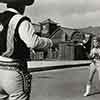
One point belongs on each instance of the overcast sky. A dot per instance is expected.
(68, 13)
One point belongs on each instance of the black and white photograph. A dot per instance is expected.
(49, 49)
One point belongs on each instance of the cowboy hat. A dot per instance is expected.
(25, 2)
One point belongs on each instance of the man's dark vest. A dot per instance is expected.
(20, 51)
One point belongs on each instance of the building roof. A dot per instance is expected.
(48, 21)
(67, 31)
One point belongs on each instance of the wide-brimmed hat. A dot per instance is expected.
(25, 2)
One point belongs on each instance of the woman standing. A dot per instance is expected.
(95, 64)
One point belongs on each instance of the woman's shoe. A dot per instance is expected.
(88, 88)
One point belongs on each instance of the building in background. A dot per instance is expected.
(72, 44)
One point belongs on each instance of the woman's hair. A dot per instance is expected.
(97, 38)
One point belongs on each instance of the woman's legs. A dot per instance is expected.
(91, 76)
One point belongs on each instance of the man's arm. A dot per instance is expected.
(27, 34)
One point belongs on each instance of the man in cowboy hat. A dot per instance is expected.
(17, 36)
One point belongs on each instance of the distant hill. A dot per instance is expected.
(94, 30)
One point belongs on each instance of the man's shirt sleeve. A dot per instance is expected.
(27, 34)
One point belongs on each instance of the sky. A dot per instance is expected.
(67, 13)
